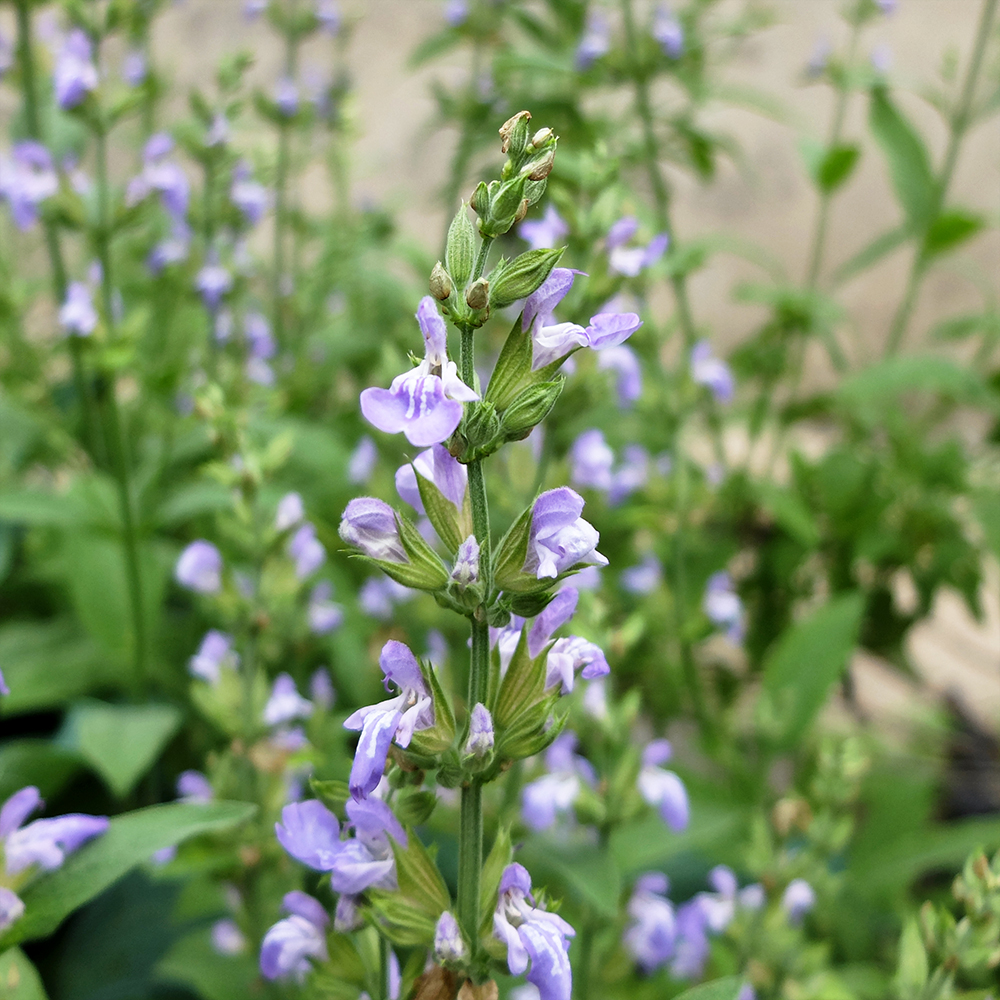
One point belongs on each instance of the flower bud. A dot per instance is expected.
(522, 210)
(369, 524)
(481, 735)
(448, 943)
(519, 278)
(480, 202)
(477, 296)
(460, 247)
(541, 137)
(481, 431)
(541, 168)
(514, 134)
(440, 284)
(466, 571)
(529, 409)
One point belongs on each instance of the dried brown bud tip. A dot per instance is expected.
(543, 167)
(522, 209)
(440, 282)
(508, 127)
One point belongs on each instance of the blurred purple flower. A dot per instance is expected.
(26, 180)
(172, 250)
(623, 362)
(667, 30)
(286, 96)
(285, 702)
(134, 69)
(691, 942)
(798, 899)
(324, 615)
(306, 550)
(77, 314)
(193, 786)
(289, 512)
(289, 945)
(662, 789)
(328, 15)
(545, 232)
(723, 606)
(592, 461)
(596, 40)
(160, 173)
(75, 74)
(711, 372)
(11, 907)
(644, 578)
(650, 937)
(629, 261)
(553, 794)
(214, 653)
(379, 594)
(361, 464)
(456, 12)
(249, 196)
(572, 656)
(631, 475)
(227, 938)
(199, 568)
(213, 281)
(321, 688)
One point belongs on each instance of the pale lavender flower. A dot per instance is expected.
(644, 578)
(798, 899)
(437, 466)
(449, 945)
(481, 735)
(213, 281)
(77, 314)
(361, 464)
(888, 7)
(747, 992)
(290, 944)
(26, 180)
(629, 261)
(324, 615)
(368, 859)
(395, 719)
(45, 842)
(557, 612)
(623, 362)
(289, 513)
(227, 938)
(621, 232)
(214, 653)
(650, 937)
(533, 934)
(881, 59)
(547, 798)
(257, 332)
(596, 40)
(249, 196)
(199, 568)
(595, 699)
(662, 789)
(667, 30)
(328, 15)
(369, 524)
(218, 132)
(285, 702)
(222, 328)
(3, 685)
(6, 55)
(321, 688)
(252, 9)
(591, 461)
(540, 234)
(424, 403)
(466, 569)
(723, 606)
(162, 174)
(259, 371)
(711, 372)
(193, 786)
(456, 12)
(571, 656)
(11, 907)
(286, 96)
(631, 475)
(134, 69)
(306, 550)
(820, 57)
(560, 538)
(172, 250)
(75, 72)
(347, 916)
(719, 907)
(691, 942)
(379, 594)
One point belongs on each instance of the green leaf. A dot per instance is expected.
(909, 164)
(804, 665)
(789, 510)
(193, 961)
(39, 507)
(42, 763)
(879, 247)
(452, 525)
(829, 168)
(960, 327)
(720, 989)
(120, 742)
(589, 872)
(949, 230)
(130, 840)
(911, 974)
(19, 979)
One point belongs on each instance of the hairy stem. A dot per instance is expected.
(116, 431)
(958, 126)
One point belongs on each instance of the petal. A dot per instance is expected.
(373, 748)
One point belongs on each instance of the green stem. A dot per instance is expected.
(584, 961)
(116, 430)
(958, 126)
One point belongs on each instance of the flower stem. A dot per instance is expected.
(116, 432)
(958, 126)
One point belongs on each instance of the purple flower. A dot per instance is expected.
(532, 933)
(710, 371)
(650, 937)
(548, 797)
(249, 196)
(723, 606)
(172, 250)
(629, 261)
(644, 578)
(631, 475)
(45, 842)
(328, 15)
(466, 570)
(424, 403)
(11, 907)
(3, 685)
(200, 568)
(321, 688)
(545, 232)
(324, 615)
(552, 340)
(291, 943)
(691, 943)
(214, 653)
(455, 12)
(560, 538)
(290, 512)
(438, 467)
(449, 945)
(481, 735)
(595, 42)
(668, 32)
(888, 7)
(347, 916)
(286, 96)
(193, 786)
(571, 656)
(379, 594)
(26, 180)
(395, 719)
(591, 460)
(662, 789)
(797, 900)
(213, 281)
(257, 332)
(369, 524)
(595, 699)
(306, 550)
(252, 9)
(361, 464)
(559, 610)
(218, 132)
(75, 72)
(77, 314)
(161, 174)
(719, 907)
(134, 68)
(6, 55)
(285, 702)
(310, 833)
(227, 938)
(623, 362)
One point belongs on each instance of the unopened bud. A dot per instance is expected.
(448, 943)
(522, 210)
(478, 294)
(541, 137)
(460, 248)
(543, 167)
(518, 278)
(466, 570)
(440, 283)
(529, 409)
(480, 199)
(481, 735)
(514, 133)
